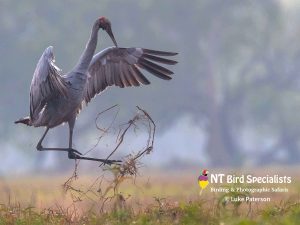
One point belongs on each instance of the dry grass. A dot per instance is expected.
(42, 192)
(160, 198)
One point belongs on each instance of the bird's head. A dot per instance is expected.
(105, 24)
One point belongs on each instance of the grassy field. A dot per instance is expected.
(158, 198)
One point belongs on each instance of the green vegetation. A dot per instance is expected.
(197, 213)
(162, 200)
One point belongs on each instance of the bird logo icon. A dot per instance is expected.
(203, 180)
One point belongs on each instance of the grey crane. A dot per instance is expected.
(56, 98)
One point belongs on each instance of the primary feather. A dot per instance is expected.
(121, 67)
(47, 83)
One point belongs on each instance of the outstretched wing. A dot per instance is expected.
(46, 83)
(120, 67)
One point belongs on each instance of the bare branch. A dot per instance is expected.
(108, 191)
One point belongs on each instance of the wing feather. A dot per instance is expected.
(123, 74)
(46, 83)
(120, 67)
(139, 76)
(132, 76)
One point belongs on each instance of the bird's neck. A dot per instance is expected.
(87, 55)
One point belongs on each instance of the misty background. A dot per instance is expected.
(234, 99)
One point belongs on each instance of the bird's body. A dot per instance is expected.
(59, 109)
(56, 98)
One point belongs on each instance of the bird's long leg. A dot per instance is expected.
(71, 123)
(39, 146)
(60, 149)
(72, 154)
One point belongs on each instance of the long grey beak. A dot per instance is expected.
(110, 33)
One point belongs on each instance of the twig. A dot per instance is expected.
(127, 170)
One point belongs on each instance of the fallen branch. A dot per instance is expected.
(126, 171)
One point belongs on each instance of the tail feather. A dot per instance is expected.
(25, 120)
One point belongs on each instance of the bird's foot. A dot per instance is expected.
(73, 154)
(74, 151)
(39, 147)
(111, 161)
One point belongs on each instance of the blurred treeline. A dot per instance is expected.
(237, 77)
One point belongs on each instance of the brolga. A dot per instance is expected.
(56, 98)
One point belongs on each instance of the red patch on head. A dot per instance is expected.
(102, 18)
